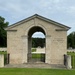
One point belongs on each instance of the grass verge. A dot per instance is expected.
(33, 49)
(35, 71)
(3, 52)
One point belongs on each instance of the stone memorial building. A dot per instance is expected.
(19, 39)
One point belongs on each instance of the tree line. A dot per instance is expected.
(71, 40)
(3, 33)
(36, 42)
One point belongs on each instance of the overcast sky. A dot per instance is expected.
(62, 11)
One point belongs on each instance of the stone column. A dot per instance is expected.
(29, 49)
(68, 62)
(48, 49)
(1, 60)
(25, 48)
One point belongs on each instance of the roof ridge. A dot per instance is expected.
(38, 16)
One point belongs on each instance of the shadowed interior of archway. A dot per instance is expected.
(35, 56)
(35, 29)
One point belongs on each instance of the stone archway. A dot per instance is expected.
(19, 42)
(30, 33)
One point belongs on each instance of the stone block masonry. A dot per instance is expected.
(1, 60)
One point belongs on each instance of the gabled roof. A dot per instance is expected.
(40, 17)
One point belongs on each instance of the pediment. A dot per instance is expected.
(62, 27)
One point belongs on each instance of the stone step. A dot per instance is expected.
(35, 65)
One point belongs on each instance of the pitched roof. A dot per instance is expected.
(40, 17)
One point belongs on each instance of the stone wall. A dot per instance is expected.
(3, 49)
(1, 60)
(19, 43)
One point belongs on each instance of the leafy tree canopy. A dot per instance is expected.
(71, 40)
(38, 42)
(3, 34)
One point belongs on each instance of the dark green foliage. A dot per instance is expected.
(38, 42)
(71, 40)
(3, 34)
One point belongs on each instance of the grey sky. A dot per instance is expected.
(62, 11)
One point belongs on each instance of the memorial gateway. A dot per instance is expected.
(19, 40)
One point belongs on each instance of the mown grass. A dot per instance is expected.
(71, 53)
(33, 49)
(35, 71)
(36, 55)
(3, 52)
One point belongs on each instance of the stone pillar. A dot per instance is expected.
(25, 48)
(48, 53)
(29, 49)
(68, 62)
(1, 60)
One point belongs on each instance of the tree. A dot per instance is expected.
(38, 42)
(3, 33)
(71, 40)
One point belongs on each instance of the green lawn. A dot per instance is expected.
(71, 53)
(38, 55)
(35, 71)
(33, 49)
(3, 52)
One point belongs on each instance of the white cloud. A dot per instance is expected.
(38, 35)
(10, 6)
(71, 10)
(59, 10)
(21, 7)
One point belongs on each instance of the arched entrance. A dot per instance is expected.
(19, 39)
(30, 55)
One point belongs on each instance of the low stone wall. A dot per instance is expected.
(72, 50)
(3, 49)
(67, 61)
(39, 50)
(1, 60)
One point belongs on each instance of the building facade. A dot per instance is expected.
(19, 39)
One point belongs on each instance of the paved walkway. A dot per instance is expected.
(35, 65)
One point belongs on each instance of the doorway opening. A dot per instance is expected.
(36, 45)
